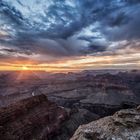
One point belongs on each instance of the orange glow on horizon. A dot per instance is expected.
(77, 64)
(25, 68)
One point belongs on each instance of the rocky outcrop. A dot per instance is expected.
(32, 118)
(123, 125)
(38, 118)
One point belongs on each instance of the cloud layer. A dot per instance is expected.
(52, 30)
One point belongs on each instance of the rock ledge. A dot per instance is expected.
(123, 125)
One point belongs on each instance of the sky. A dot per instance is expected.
(69, 35)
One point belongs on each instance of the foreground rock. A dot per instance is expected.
(33, 118)
(37, 118)
(123, 125)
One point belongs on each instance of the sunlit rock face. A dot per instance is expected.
(124, 124)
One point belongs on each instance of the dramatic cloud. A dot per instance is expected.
(49, 30)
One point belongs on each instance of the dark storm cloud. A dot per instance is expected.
(62, 27)
(124, 25)
(15, 51)
(97, 48)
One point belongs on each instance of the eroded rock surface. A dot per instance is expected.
(87, 89)
(123, 125)
(32, 118)
(37, 118)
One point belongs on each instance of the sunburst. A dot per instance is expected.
(25, 68)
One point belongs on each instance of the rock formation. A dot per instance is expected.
(32, 118)
(123, 125)
(101, 94)
(84, 96)
(76, 118)
(38, 118)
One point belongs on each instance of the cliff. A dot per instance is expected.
(123, 125)
(32, 118)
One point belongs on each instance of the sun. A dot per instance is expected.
(24, 68)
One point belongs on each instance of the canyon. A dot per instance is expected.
(48, 106)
